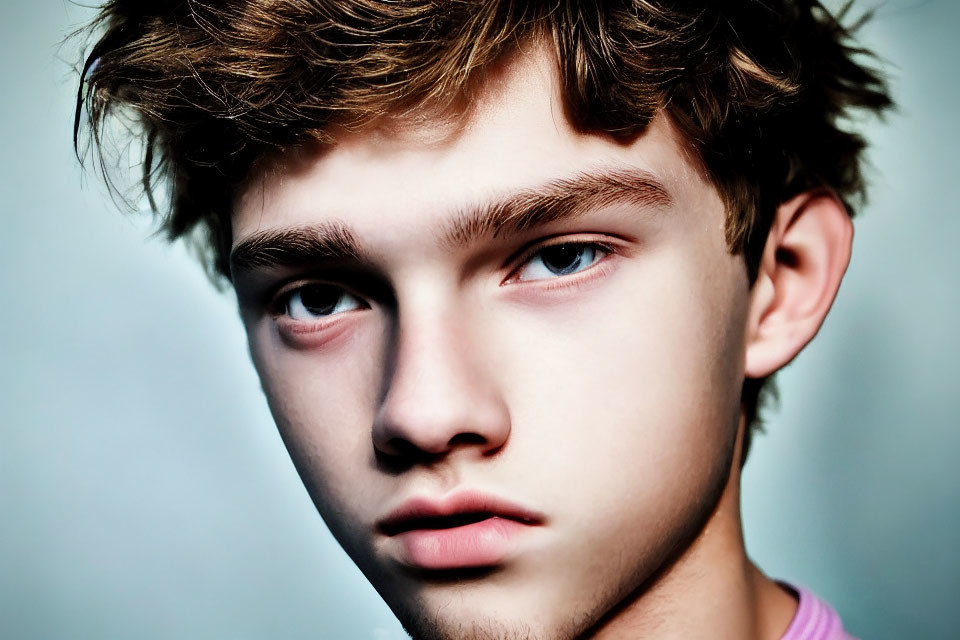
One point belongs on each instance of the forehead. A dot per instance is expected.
(411, 170)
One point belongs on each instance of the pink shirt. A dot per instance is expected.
(814, 620)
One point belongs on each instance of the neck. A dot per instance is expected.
(712, 590)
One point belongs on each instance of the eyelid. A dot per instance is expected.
(316, 332)
(276, 300)
(604, 244)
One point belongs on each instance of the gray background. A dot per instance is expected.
(144, 492)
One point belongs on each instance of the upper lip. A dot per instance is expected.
(456, 509)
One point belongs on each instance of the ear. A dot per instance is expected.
(803, 262)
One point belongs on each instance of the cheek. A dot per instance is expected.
(638, 383)
(323, 402)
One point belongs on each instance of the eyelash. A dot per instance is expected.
(605, 249)
(279, 304)
(279, 307)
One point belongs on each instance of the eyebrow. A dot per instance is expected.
(560, 199)
(294, 247)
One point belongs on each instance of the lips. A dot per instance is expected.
(464, 530)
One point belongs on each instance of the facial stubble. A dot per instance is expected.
(580, 622)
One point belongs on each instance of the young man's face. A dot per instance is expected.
(499, 316)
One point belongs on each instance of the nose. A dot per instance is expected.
(439, 396)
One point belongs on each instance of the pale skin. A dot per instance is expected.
(605, 397)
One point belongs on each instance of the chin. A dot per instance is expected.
(486, 609)
(442, 624)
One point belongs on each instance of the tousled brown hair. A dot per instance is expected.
(758, 88)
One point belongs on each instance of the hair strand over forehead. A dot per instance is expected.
(758, 89)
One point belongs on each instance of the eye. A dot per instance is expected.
(558, 260)
(309, 302)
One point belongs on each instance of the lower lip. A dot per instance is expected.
(480, 544)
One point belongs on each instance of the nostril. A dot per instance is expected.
(397, 455)
(467, 439)
(401, 452)
(401, 447)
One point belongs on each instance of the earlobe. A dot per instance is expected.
(803, 262)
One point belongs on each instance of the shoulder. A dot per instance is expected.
(814, 620)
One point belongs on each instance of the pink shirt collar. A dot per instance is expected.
(814, 620)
